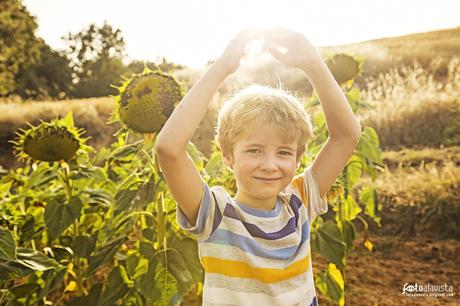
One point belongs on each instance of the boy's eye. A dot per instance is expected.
(254, 151)
(285, 153)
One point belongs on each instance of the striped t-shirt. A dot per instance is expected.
(257, 257)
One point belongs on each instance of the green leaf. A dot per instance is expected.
(369, 146)
(349, 209)
(7, 245)
(331, 284)
(35, 260)
(61, 254)
(116, 288)
(368, 196)
(146, 250)
(135, 196)
(125, 151)
(195, 155)
(99, 197)
(148, 233)
(83, 246)
(91, 172)
(104, 254)
(28, 261)
(167, 284)
(29, 230)
(59, 216)
(348, 233)
(188, 248)
(24, 290)
(175, 264)
(147, 283)
(42, 176)
(124, 199)
(13, 270)
(54, 279)
(215, 165)
(353, 170)
(90, 299)
(90, 220)
(327, 240)
(145, 193)
(5, 187)
(68, 120)
(136, 266)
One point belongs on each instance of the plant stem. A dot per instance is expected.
(161, 226)
(76, 262)
(76, 259)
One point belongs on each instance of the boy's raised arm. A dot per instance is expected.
(181, 175)
(343, 127)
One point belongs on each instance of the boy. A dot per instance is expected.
(255, 247)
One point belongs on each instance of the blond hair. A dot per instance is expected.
(274, 108)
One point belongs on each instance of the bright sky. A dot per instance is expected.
(191, 32)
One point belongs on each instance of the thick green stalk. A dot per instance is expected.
(161, 224)
(76, 259)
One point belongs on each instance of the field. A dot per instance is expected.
(412, 87)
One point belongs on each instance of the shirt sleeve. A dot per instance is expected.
(209, 216)
(316, 205)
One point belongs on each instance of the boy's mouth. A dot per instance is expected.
(267, 179)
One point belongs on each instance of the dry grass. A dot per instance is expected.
(414, 83)
(30, 110)
(422, 200)
(384, 54)
(414, 108)
(417, 158)
(418, 185)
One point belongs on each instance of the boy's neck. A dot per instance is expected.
(262, 204)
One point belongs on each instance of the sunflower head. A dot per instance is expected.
(49, 141)
(344, 68)
(146, 101)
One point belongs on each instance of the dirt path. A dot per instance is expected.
(378, 277)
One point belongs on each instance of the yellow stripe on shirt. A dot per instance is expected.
(297, 182)
(235, 268)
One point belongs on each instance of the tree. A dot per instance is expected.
(95, 56)
(49, 77)
(19, 45)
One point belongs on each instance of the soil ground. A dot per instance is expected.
(377, 277)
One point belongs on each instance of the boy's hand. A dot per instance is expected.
(299, 51)
(230, 58)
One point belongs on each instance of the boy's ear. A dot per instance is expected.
(228, 160)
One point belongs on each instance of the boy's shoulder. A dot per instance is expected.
(221, 194)
(296, 187)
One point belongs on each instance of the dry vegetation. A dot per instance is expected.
(385, 54)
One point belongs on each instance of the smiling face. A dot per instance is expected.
(263, 164)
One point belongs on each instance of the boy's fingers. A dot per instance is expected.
(277, 54)
(274, 37)
(249, 34)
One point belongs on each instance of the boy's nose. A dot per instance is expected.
(269, 164)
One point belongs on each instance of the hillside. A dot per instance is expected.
(431, 49)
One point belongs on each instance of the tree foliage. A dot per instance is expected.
(49, 77)
(92, 61)
(19, 45)
(95, 56)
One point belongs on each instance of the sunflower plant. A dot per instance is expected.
(96, 228)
